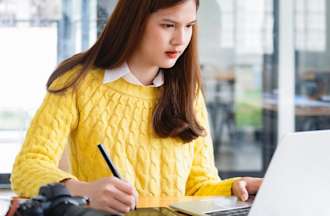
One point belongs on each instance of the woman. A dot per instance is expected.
(137, 90)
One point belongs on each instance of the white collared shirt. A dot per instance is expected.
(124, 72)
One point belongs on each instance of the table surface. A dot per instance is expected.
(6, 193)
(143, 202)
(303, 105)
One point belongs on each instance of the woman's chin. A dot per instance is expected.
(168, 65)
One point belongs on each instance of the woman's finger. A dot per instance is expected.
(118, 206)
(122, 185)
(243, 193)
(121, 196)
(253, 184)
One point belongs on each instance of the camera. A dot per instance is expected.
(55, 200)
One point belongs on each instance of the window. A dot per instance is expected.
(35, 36)
(245, 28)
(310, 25)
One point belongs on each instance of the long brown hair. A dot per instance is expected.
(174, 114)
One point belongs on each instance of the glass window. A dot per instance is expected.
(312, 69)
(310, 21)
(34, 36)
(234, 44)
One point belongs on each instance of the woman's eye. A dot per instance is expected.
(167, 25)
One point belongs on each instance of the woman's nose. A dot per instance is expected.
(179, 37)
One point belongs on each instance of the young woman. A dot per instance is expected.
(137, 91)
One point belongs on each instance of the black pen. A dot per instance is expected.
(108, 161)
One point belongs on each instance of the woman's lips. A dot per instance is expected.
(172, 54)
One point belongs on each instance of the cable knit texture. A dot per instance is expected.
(118, 114)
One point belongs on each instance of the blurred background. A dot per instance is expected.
(239, 55)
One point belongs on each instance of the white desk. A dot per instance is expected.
(6, 193)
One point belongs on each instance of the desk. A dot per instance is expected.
(309, 115)
(303, 105)
(6, 193)
(145, 202)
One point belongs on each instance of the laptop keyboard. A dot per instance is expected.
(232, 212)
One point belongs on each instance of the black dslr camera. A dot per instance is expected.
(55, 200)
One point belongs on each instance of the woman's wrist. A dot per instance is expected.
(75, 187)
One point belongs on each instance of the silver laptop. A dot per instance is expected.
(297, 182)
(213, 206)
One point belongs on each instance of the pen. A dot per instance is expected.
(108, 161)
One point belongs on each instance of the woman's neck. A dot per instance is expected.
(142, 71)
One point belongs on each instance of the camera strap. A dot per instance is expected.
(14, 204)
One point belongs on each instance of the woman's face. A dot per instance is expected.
(167, 34)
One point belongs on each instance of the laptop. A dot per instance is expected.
(211, 206)
(297, 182)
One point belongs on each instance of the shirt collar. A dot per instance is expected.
(125, 73)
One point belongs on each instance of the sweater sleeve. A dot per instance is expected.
(203, 178)
(49, 132)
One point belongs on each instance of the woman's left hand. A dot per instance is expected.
(245, 186)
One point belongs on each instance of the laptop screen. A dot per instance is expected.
(297, 180)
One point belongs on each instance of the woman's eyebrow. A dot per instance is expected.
(172, 21)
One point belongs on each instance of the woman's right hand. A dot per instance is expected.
(110, 194)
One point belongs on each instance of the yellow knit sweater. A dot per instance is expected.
(118, 114)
